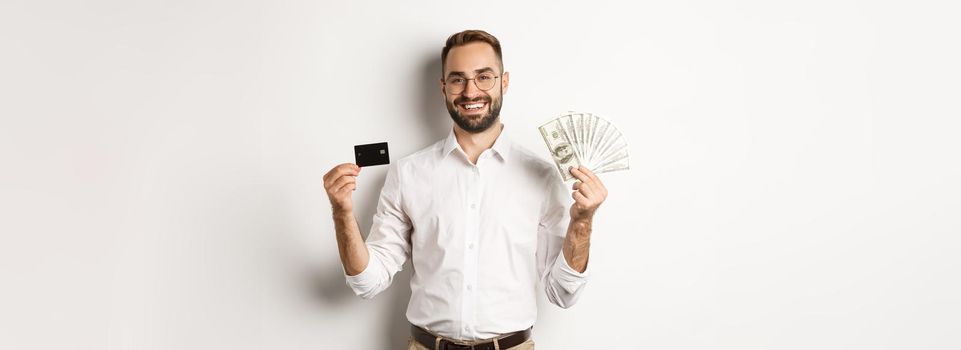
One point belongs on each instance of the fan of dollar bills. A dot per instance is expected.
(585, 139)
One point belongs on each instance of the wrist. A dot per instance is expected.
(583, 219)
(579, 213)
(581, 228)
(342, 213)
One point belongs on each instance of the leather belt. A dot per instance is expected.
(430, 340)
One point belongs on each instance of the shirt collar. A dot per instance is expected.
(501, 147)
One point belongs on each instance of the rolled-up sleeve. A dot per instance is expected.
(562, 283)
(388, 242)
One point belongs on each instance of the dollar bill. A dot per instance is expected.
(616, 161)
(585, 140)
(559, 144)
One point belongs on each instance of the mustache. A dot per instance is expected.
(462, 99)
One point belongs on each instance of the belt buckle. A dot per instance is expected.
(455, 346)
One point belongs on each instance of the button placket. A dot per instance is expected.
(468, 298)
(471, 254)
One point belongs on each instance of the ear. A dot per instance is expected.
(505, 81)
(440, 84)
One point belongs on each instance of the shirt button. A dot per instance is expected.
(470, 246)
(469, 287)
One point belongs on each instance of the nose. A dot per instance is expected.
(471, 90)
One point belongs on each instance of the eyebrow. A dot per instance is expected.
(478, 71)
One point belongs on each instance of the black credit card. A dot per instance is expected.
(371, 154)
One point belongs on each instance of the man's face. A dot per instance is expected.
(469, 61)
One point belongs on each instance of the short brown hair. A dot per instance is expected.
(469, 36)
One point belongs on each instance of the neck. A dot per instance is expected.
(474, 144)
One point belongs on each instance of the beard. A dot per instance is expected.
(475, 125)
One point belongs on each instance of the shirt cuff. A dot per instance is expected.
(567, 277)
(363, 281)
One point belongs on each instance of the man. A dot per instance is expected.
(482, 219)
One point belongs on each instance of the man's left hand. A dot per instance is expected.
(589, 193)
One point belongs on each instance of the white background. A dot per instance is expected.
(794, 181)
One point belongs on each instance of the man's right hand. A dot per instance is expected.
(340, 183)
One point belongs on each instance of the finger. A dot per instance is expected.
(597, 183)
(580, 199)
(339, 167)
(340, 182)
(597, 186)
(600, 186)
(589, 173)
(339, 171)
(347, 188)
(586, 190)
(329, 176)
(349, 169)
(578, 174)
(576, 185)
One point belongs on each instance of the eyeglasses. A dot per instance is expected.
(456, 84)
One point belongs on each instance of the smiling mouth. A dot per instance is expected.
(472, 106)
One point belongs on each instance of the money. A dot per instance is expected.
(585, 139)
(558, 142)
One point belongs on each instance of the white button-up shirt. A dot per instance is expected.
(480, 238)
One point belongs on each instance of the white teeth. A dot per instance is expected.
(474, 106)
